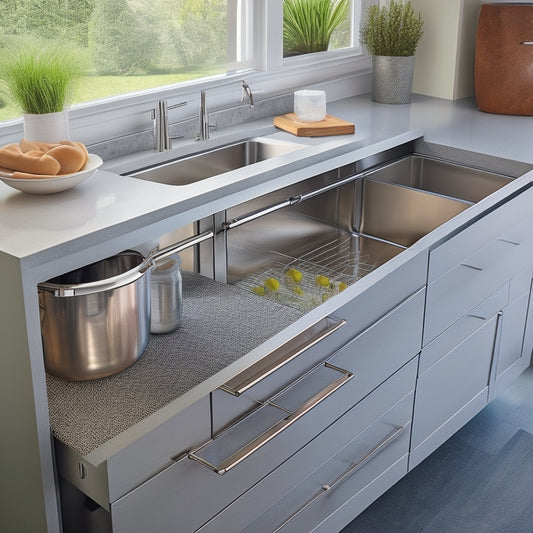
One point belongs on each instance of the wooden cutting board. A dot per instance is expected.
(329, 126)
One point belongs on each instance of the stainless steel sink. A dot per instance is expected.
(207, 164)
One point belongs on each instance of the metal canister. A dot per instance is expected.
(166, 296)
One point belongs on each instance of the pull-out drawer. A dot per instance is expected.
(373, 355)
(191, 491)
(366, 441)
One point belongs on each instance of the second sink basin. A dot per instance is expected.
(207, 164)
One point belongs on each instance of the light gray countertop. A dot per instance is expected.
(38, 229)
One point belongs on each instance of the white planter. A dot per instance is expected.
(48, 127)
(392, 79)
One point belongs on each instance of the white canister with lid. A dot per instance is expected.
(166, 297)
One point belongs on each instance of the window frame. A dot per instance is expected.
(342, 72)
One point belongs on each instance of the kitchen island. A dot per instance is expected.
(45, 236)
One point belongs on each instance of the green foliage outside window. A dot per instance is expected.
(121, 40)
(133, 44)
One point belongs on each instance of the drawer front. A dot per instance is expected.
(371, 421)
(446, 342)
(131, 465)
(344, 477)
(463, 287)
(373, 355)
(451, 383)
(485, 256)
(289, 362)
(387, 345)
(506, 222)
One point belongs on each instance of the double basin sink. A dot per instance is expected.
(403, 200)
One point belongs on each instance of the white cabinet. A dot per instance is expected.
(453, 378)
(474, 341)
(513, 350)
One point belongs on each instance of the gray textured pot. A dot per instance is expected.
(392, 79)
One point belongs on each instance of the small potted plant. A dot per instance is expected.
(391, 34)
(308, 24)
(40, 77)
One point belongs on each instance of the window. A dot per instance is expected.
(143, 50)
(136, 45)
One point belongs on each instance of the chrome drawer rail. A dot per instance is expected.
(276, 429)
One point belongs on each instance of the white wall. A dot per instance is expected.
(444, 64)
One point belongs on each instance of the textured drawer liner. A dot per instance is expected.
(221, 324)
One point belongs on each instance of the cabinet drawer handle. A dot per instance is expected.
(276, 429)
(279, 357)
(509, 242)
(356, 466)
(473, 267)
(495, 355)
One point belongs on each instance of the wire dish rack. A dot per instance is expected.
(309, 280)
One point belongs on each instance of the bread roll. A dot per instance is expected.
(70, 158)
(27, 146)
(34, 161)
(50, 159)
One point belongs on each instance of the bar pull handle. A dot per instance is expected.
(280, 357)
(276, 429)
(473, 267)
(356, 466)
(495, 355)
(508, 241)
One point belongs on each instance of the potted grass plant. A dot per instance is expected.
(391, 34)
(308, 24)
(40, 77)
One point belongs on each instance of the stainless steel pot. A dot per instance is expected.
(95, 321)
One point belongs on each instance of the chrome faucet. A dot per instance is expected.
(204, 119)
(247, 93)
(161, 129)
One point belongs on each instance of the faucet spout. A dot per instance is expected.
(204, 118)
(161, 125)
(247, 93)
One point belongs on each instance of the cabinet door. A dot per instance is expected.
(452, 391)
(527, 348)
(513, 353)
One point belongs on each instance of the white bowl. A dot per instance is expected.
(56, 184)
